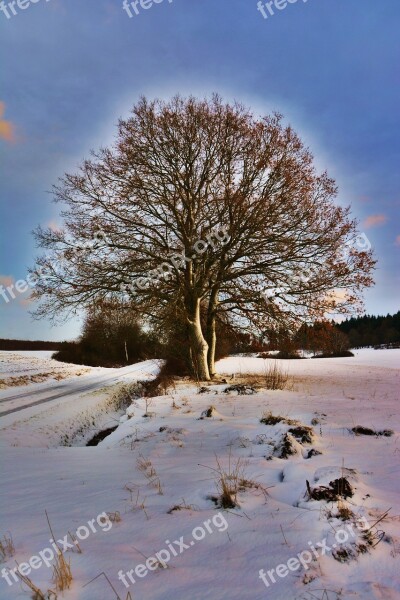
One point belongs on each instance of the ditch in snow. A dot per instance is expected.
(100, 436)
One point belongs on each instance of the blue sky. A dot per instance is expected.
(71, 68)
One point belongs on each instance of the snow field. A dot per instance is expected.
(159, 473)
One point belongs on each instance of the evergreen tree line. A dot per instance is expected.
(370, 330)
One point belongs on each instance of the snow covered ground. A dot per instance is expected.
(25, 368)
(159, 475)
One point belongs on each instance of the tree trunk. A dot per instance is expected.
(212, 343)
(126, 353)
(211, 334)
(198, 345)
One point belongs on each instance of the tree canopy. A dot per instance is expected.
(199, 211)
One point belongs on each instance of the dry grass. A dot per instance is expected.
(103, 574)
(7, 549)
(372, 536)
(250, 484)
(182, 506)
(228, 482)
(148, 404)
(269, 419)
(137, 503)
(75, 542)
(114, 517)
(241, 388)
(361, 430)
(62, 576)
(232, 480)
(19, 380)
(124, 396)
(247, 379)
(159, 563)
(275, 378)
(145, 466)
(37, 593)
(344, 512)
(160, 386)
(320, 594)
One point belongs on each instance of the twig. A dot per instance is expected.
(109, 582)
(51, 531)
(380, 519)
(284, 536)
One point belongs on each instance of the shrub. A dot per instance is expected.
(285, 355)
(343, 354)
(111, 337)
(275, 378)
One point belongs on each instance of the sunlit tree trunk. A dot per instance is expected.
(211, 334)
(198, 344)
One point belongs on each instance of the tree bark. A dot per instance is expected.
(211, 334)
(198, 344)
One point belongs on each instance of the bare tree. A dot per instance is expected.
(202, 206)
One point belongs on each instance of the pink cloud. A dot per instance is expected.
(374, 220)
(397, 241)
(6, 280)
(25, 302)
(7, 131)
(53, 226)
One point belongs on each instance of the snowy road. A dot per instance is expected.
(69, 390)
(65, 389)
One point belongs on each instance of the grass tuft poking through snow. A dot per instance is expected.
(269, 419)
(360, 430)
(7, 549)
(275, 378)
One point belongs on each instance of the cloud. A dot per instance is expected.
(7, 131)
(8, 298)
(397, 241)
(53, 225)
(374, 220)
(6, 280)
(26, 302)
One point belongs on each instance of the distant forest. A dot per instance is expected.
(31, 345)
(361, 331)
(372, 331)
